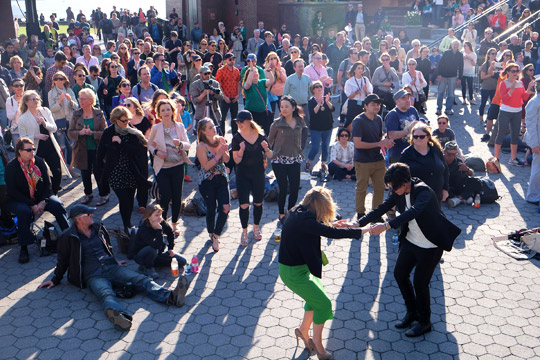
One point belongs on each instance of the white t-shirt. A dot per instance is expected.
(415, 235)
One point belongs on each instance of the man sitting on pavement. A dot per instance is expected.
(85, 251)
(461, 186)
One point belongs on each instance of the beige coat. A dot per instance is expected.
(156, 140)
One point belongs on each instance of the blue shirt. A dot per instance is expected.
(397, 120)
(2, 172)
(94, 255)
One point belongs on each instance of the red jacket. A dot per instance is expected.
(502, 22)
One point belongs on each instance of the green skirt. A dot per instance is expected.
(308, 287)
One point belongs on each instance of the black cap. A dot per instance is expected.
(372, 98)
(244, 115)
(228, 56)
(80, 209)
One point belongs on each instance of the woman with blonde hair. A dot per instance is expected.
(250, 150)
(17, 70)
(301, 260)
(275, 91)
(37, 123)
(426, 161)
(86, 128)
(120, 154)
(167, 142)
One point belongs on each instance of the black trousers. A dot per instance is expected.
(417, 298)
(53, 161)
(287, 176)
(338, 172)
(170, 182)
(86, 176)
(225, 108)
(126, 198)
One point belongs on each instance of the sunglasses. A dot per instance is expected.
(29, 149)
(442, 122)
(416, 137)
(18, 85)
(513, 71)
(493, 53)
(125, 85)
(204, 44)
(207, 73)
(411, 64)
(113, 66)
(80, 75)
(128, 105)
(385, 59)
(344, 135)
(123, 120)
(56, 79)
(214, 45)
(317, 87)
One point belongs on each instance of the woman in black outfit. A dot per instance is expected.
(425, 233)
(118, 159)
(423, 64)
(250, 150)
(426, 161)
(320, 126)
(109, 87)
(150, 249)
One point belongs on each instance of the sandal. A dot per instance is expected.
(215, 241)
(175, 229)
(244, 239)
(86, 199)
(257, 233)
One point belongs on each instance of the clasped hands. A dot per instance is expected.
(373, 229)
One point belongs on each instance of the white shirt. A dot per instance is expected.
(93, 61)
(415, 234)
(353, 84)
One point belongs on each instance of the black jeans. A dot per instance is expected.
(170, 182)
(216, 194)
(225, 108)
(287, 176)
(467, 82)
(485, 96)
(151, 257)
(250, 181)
(263, 119)
(417, 299)
(53, 161)
(86, 175)
(338, 172)
(126, 198)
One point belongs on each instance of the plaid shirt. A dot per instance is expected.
(53, 70)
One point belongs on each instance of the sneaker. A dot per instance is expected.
(24, 257)
(86, 199)
(449, 112)
(179, 293)
(187, 178)
(120, 320)
(515, 162)
(438, 112)
(485, 138)
(103, 200)
(453, 202)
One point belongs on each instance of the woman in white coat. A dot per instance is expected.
(416, 81)
(37, 124)
(167, 142)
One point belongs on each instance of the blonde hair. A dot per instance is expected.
(138, 108)
(13, 58)
(118, 113)
(89, 93)
(319, 201)
(28, 93)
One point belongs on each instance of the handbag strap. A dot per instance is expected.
(262, 98)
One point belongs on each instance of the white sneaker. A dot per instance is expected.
(453, 202)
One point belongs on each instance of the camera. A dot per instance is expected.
(207, 85)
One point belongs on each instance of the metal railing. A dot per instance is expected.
(466, 23)
(516, 28)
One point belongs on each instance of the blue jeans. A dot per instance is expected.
(102, 286)
(446, 84)
(150, 257)
(25, 217)
(3, 119)
(63, 140)
(318, 139)
(485, 96)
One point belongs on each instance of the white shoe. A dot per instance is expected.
(453, 202)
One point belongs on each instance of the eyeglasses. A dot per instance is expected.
(180, 104)
(125, 85)
(421, 137)
(294, 52)
(531, 69)
(18, 85)
(207, 73)
(442, 122)
(59, 78)
(513, 71)
(355, 53)
(385, 59)
(493, 53)
(204, 44)
(344, 135)
(213, 45)
(29, 149)
(113, 66)
(136, 53)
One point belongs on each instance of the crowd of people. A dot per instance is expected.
(136, 107)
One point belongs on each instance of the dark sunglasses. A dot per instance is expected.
(29, 149)
(513, 71)
(113, 66)
(127, 105)
(125, 85)
(317, 87)
(344, 135)
(80, 75)
(18, 85)
(56, 79)
(422, 137)
(123, 121)
(207, 73)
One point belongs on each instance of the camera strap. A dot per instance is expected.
(262, 98)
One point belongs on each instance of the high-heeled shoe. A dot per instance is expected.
(320, 356)
(299, 336)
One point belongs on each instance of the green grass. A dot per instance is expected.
(63, 29)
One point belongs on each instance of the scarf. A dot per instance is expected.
(32, 175)
(132, 131)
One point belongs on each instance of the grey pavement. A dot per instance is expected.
(484, 303)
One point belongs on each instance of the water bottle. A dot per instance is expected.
(174, 267)
(477, 201)
(52, 233)
(395, 239)
(194, 265)
(188, 270)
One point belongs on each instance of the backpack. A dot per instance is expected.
(476, 163)
(48, 244)
(489, 192)
(154, 87)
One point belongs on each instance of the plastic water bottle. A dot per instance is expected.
(395, 239)
(174, 267)
(194, 265)
(477, 201)
(187, 270)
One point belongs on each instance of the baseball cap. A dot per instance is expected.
(204, 69)
(80, 209)
(400, 93)
(228, 56)
(196, 57)
(208, 65)
(372, 98)
(251, 57)
(244, 115)
(451, 145)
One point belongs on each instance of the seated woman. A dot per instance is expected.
(29, 193)
(341, 164)
(150, 244)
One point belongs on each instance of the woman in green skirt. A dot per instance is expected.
(301, 260)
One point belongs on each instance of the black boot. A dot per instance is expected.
(407, 321)
(419, 329)
(23, 255)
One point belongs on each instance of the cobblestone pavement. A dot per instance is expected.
(485, 304)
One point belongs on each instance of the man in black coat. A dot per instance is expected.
(425, 233)
(450, 69)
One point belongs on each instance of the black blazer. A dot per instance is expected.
(425, 209)
(301, 239)
(17, 186)
(108, 154)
